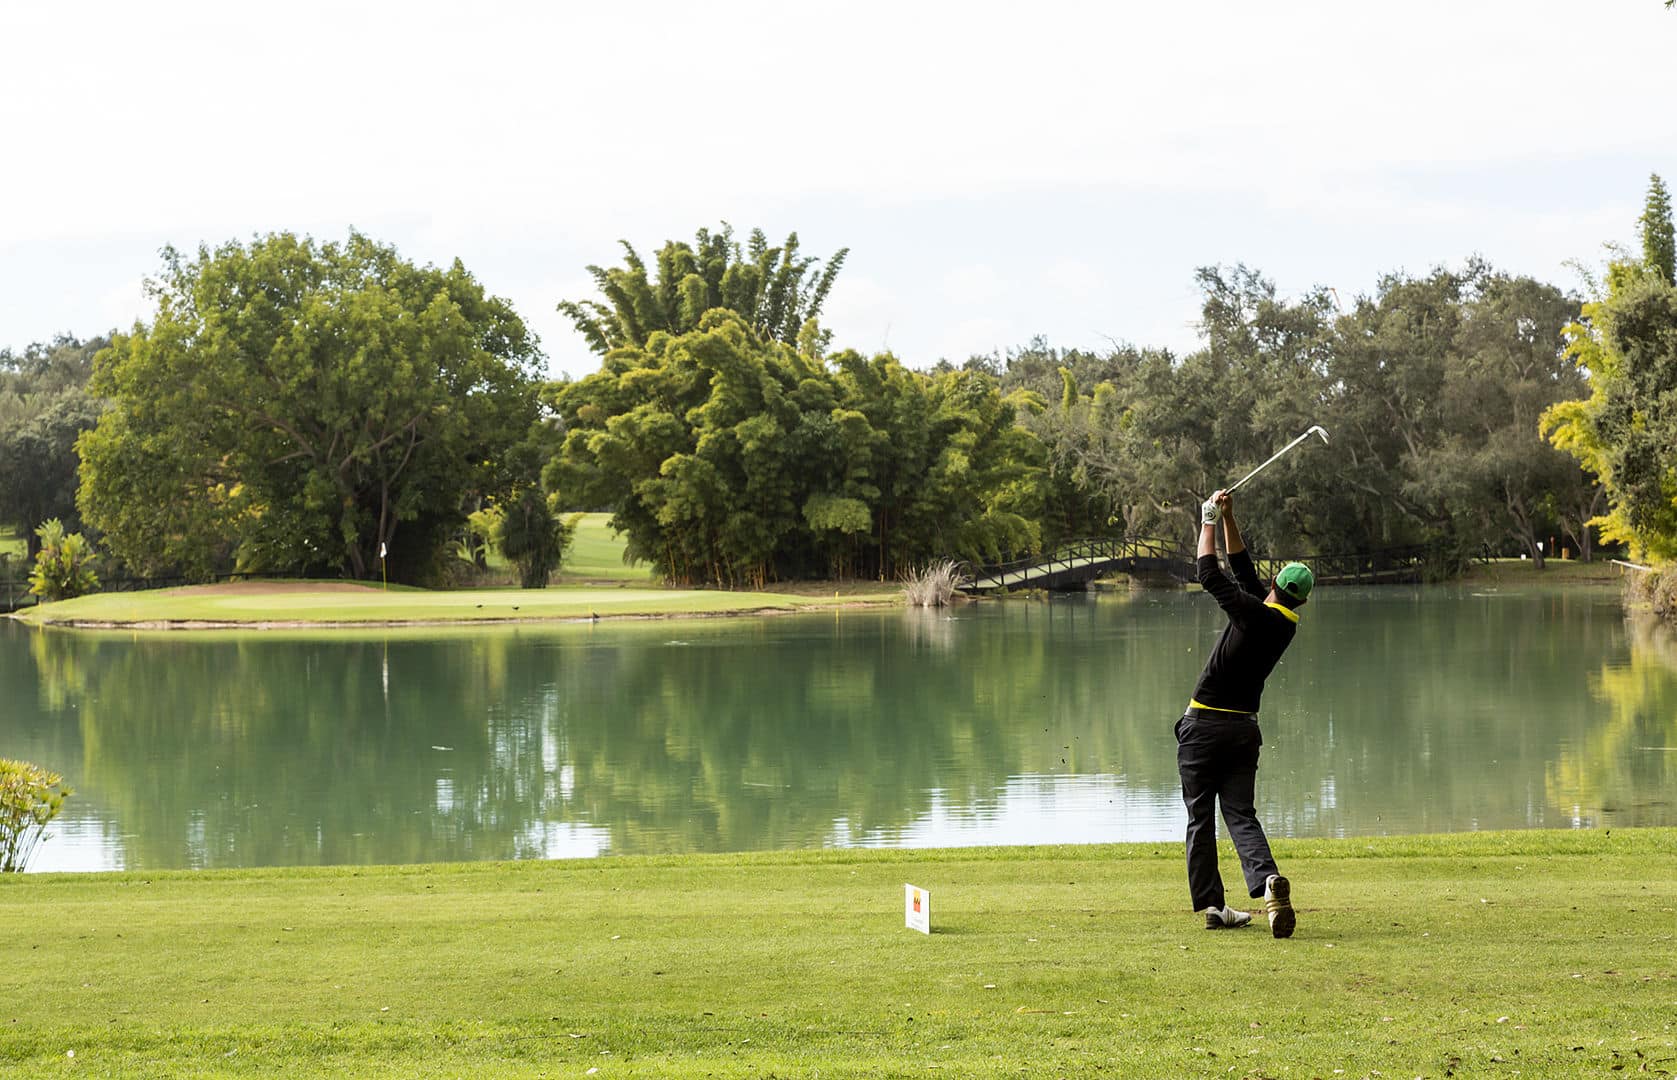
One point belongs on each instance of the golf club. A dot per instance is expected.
(1317, 430)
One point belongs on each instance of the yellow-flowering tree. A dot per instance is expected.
(30, 797)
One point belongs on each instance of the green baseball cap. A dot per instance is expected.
(1296, 580)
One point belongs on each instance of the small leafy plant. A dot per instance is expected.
(30, 797)
(63, 568)
(482, 536)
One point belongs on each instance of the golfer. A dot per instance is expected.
(1217, 738)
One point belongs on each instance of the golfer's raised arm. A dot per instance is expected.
(1232, 543)
(1210, 511)
(1230, 595)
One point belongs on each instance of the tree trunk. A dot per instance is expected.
(1523, 530)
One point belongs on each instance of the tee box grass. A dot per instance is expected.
(1496, 954)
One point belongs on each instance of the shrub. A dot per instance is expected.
(932, 585)
(63, 568)
(534, 538)
(30, 797)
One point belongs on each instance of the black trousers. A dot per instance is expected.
(1217, 757)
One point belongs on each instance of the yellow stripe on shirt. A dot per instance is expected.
(1283, 609)
(1194, 703)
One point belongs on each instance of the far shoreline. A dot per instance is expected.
(347, 605)
(326, 605)
(556, 620)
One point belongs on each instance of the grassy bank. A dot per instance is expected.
(1518, 572)
(1542, 953)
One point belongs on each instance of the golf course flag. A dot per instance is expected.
(917, 909)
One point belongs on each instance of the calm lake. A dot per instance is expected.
(1397, 710)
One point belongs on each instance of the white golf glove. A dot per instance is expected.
(1210, 512)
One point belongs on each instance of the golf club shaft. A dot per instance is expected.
(1239, 483)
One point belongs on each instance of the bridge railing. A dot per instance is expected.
(1074, 555)
(1406, 563)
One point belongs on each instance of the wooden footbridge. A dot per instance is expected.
(1075, 564)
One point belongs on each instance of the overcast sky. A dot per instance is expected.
(998, 171)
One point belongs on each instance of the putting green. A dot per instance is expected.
(259, 603)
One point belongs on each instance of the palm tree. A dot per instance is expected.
(534, 538)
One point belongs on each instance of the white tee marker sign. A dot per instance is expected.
(917, 909)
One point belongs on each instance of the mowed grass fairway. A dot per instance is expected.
(1530, 954)
(596, 553)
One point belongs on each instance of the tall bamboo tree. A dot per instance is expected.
(775, 290)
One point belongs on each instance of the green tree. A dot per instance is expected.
(1159, 433)
(534, 537)
(1088, 456)
(1154, 434)
(1430, 388)
(954, 471)
(696, 441)
(732, 459)
(1659, 243)
(1486, 465)
(1038, 367)
(1264, 373)
(44, 408)
(775, 290)
(294, 405)
(1392, 353)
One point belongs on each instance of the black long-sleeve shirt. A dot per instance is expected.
(1250, 646)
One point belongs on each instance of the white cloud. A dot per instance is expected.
(122, 306)
(862, 313)
(971, 337)
(977, 283)
(1075, 279)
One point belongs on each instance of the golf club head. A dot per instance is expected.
(1321, 431)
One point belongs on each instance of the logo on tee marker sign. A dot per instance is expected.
(917, 909)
